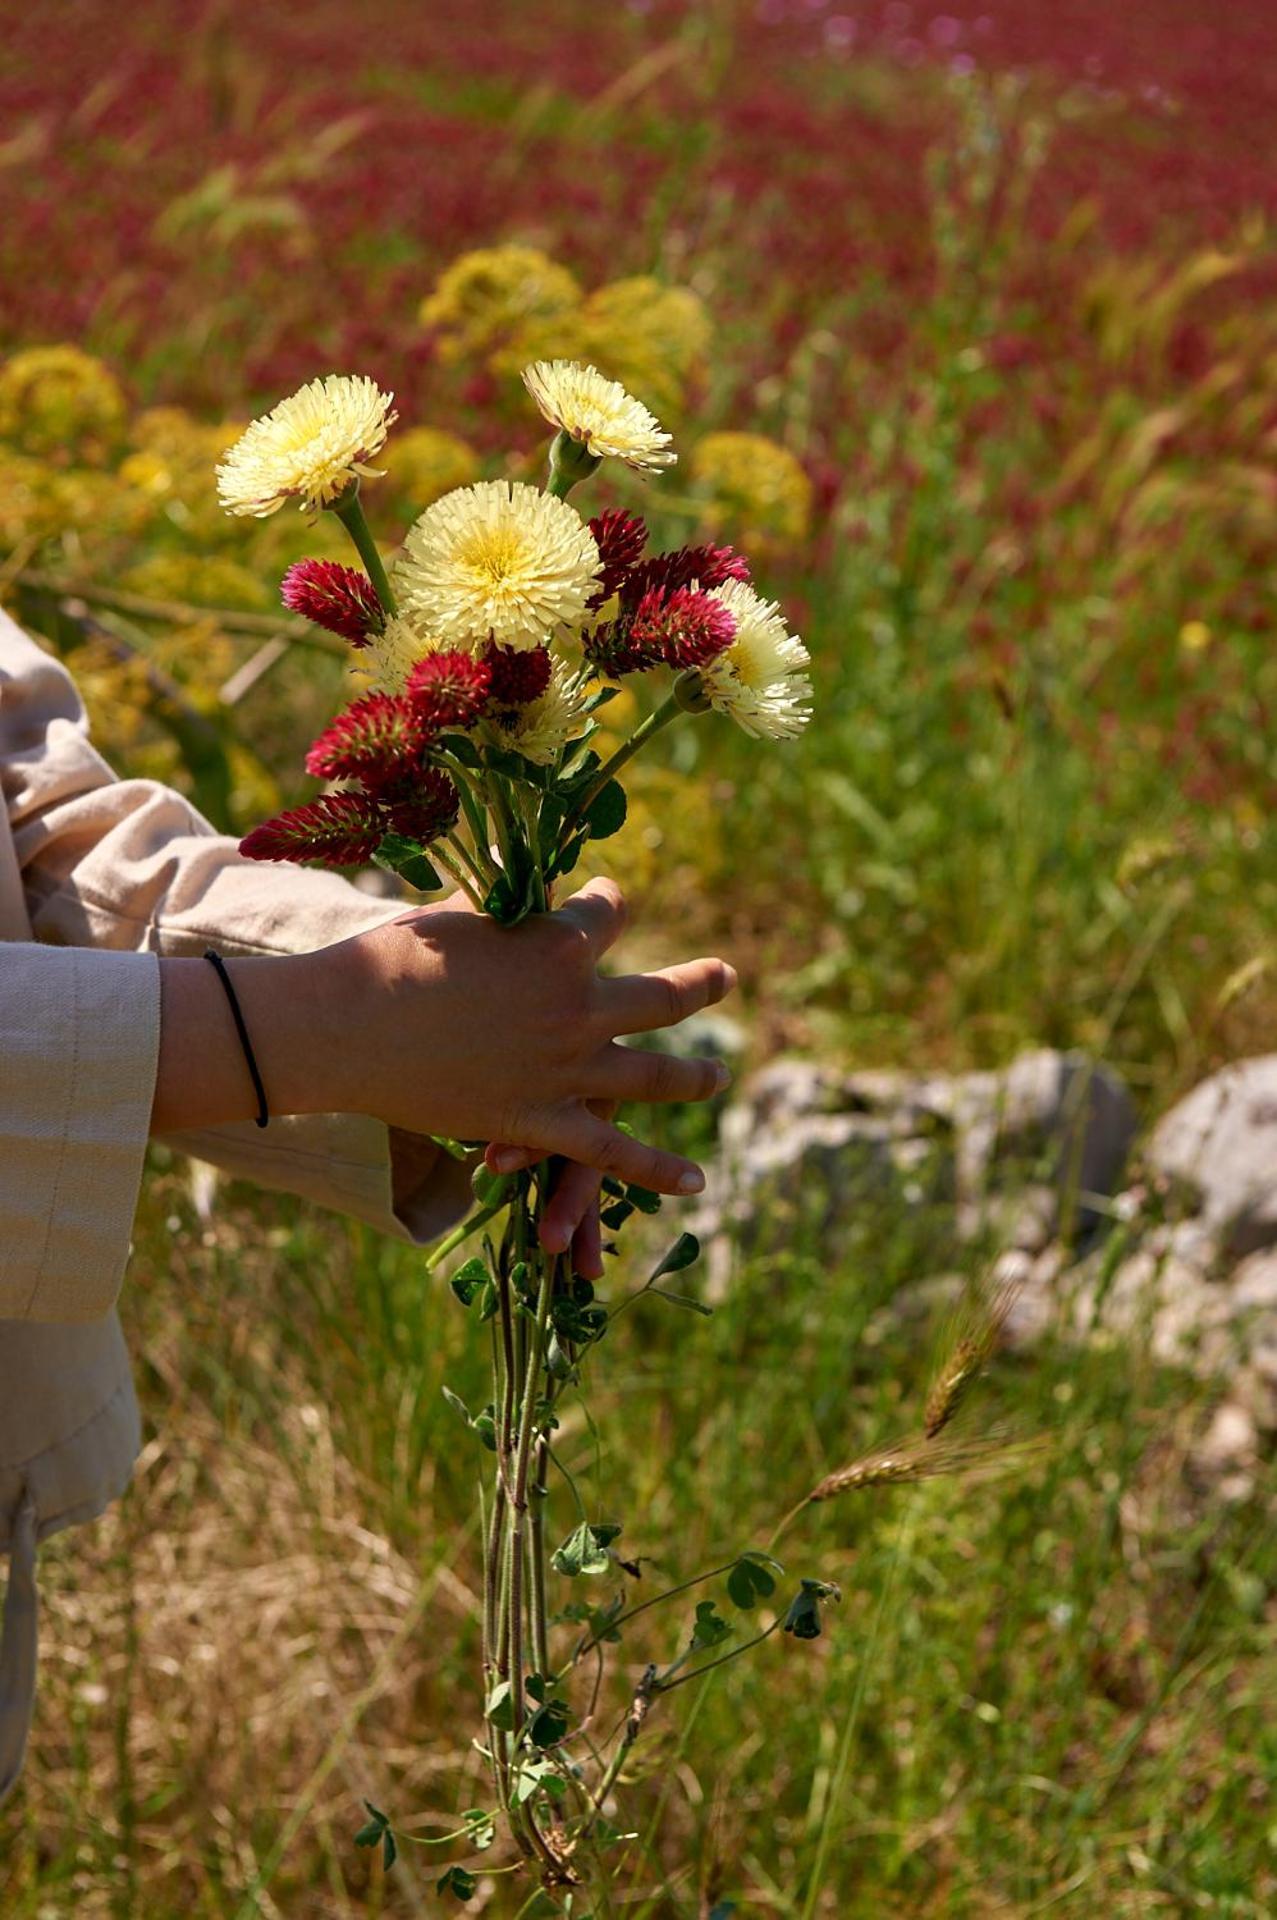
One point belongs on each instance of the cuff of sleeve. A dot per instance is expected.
(83, 1027)
(344, 1161)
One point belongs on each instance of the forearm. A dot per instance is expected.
(203, 1078)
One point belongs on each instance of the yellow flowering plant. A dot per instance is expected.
(489, 646)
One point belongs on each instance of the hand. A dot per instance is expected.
(479, 1031)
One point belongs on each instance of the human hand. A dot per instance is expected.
(478, 1031)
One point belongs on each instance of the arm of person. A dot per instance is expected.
(133, 872)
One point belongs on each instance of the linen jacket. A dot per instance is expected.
(99, 877)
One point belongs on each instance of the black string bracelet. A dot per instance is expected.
(263, 1113)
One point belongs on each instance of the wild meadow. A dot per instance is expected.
(964, 323)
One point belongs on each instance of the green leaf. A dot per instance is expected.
(685, 1251)
(498, 1708)
(489, 1300)
(461, 747)
(605, 814)
(378, 1829)
(749, 1582)
(538, 1773)
(615, 1217)
(683, 1300)
(549, 1724)
(644, 1199)
(709, 1629)
(585, 1551)
(578, 772)
(457, 1404)
(468, 1279)
(558, 1364)
(407, 858)
(489, 1188)
(457, 1882)
(803, 1618)
(564, 861)
(481, 1829)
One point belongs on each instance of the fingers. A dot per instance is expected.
(641, 1002)
(629, 1073)
(500, 1158)
(582, 1136)
(575, 1192)
(587, 1246)
(599, 910)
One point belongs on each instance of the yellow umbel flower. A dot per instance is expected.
(311, 447)
(427, 463)
(759, 681)
(753, 486)
(542, 729)
(499, 561)
(61, 402)
(482, 297)
(598, 412)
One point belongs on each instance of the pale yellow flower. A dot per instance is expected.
(542, 729)
(311, 447)
(499, 560)
(759, 682)
(391, 655)
(598, 412)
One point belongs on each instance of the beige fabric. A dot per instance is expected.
(98, 878)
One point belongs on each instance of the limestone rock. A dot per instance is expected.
(1220, 1143)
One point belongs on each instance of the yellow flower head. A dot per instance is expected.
(427, 463)
(499, 560)
(754, 485)
(486, 294)
(598, 412)
(60, 401)
(759, 681)
(542, 729)
(311, 447)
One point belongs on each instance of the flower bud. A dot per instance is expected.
(689, 691)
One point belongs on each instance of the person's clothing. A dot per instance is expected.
(98, 878)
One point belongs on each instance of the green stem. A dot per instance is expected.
(588, 1646)
(455, 872)
(647, 730)
(519, 1502)
(668, 1686)
(462, 1233)
(351, 514)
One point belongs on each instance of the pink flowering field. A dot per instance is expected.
(964, 317)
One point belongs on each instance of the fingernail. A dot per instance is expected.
(507, 1160)
(722, 1079)
(693, 1181)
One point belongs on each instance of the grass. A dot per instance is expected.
(1044, 1693)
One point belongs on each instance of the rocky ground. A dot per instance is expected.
(1169, 1238)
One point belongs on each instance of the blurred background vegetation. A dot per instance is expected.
(964, 324)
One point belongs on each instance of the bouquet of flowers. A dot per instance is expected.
(505, 624)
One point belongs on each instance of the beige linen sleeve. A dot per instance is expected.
(130, 868)
(79, 1038)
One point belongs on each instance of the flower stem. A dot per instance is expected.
(351, 514)
(647, 730)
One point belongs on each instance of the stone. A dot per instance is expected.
(1220, 1144)
(1226, 1454)
(1064, 1113)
